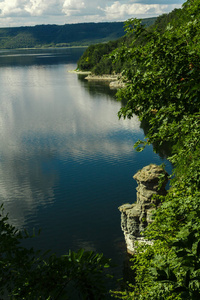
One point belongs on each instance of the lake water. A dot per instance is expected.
(66, 161)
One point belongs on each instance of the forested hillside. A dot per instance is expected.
(81, 34)
(59, 35)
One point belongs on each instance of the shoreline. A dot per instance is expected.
(41, 48)
(80, 72)
(104, 77)
(115, 81)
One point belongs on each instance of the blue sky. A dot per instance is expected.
(32, 12)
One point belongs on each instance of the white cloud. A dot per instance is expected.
(31, 12)
(71, 7)
(36, 7)
(122, 11)
(8, 7)
(17, 8)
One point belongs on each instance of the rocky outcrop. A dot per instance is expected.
(117, 84)
(80, 72)
(135, 217)
(115, 80)
(104, 77)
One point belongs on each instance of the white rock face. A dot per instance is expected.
(135, 217)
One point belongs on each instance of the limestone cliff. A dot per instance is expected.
(135, 217)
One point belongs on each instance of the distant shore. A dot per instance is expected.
(42, 48)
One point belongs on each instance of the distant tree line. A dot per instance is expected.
(59, 35)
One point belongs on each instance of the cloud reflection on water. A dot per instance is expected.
(46, 114)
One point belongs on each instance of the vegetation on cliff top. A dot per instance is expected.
(163, 88)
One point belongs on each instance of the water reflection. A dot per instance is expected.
(66, 161)
(39, 57)
(45, 117)
(97, 87)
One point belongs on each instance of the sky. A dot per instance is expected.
(32, 12)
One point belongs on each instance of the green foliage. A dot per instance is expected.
(163, 89)
(93, 55)
(97, 57)
(29, 274)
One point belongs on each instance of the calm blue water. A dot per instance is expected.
(66, 161)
